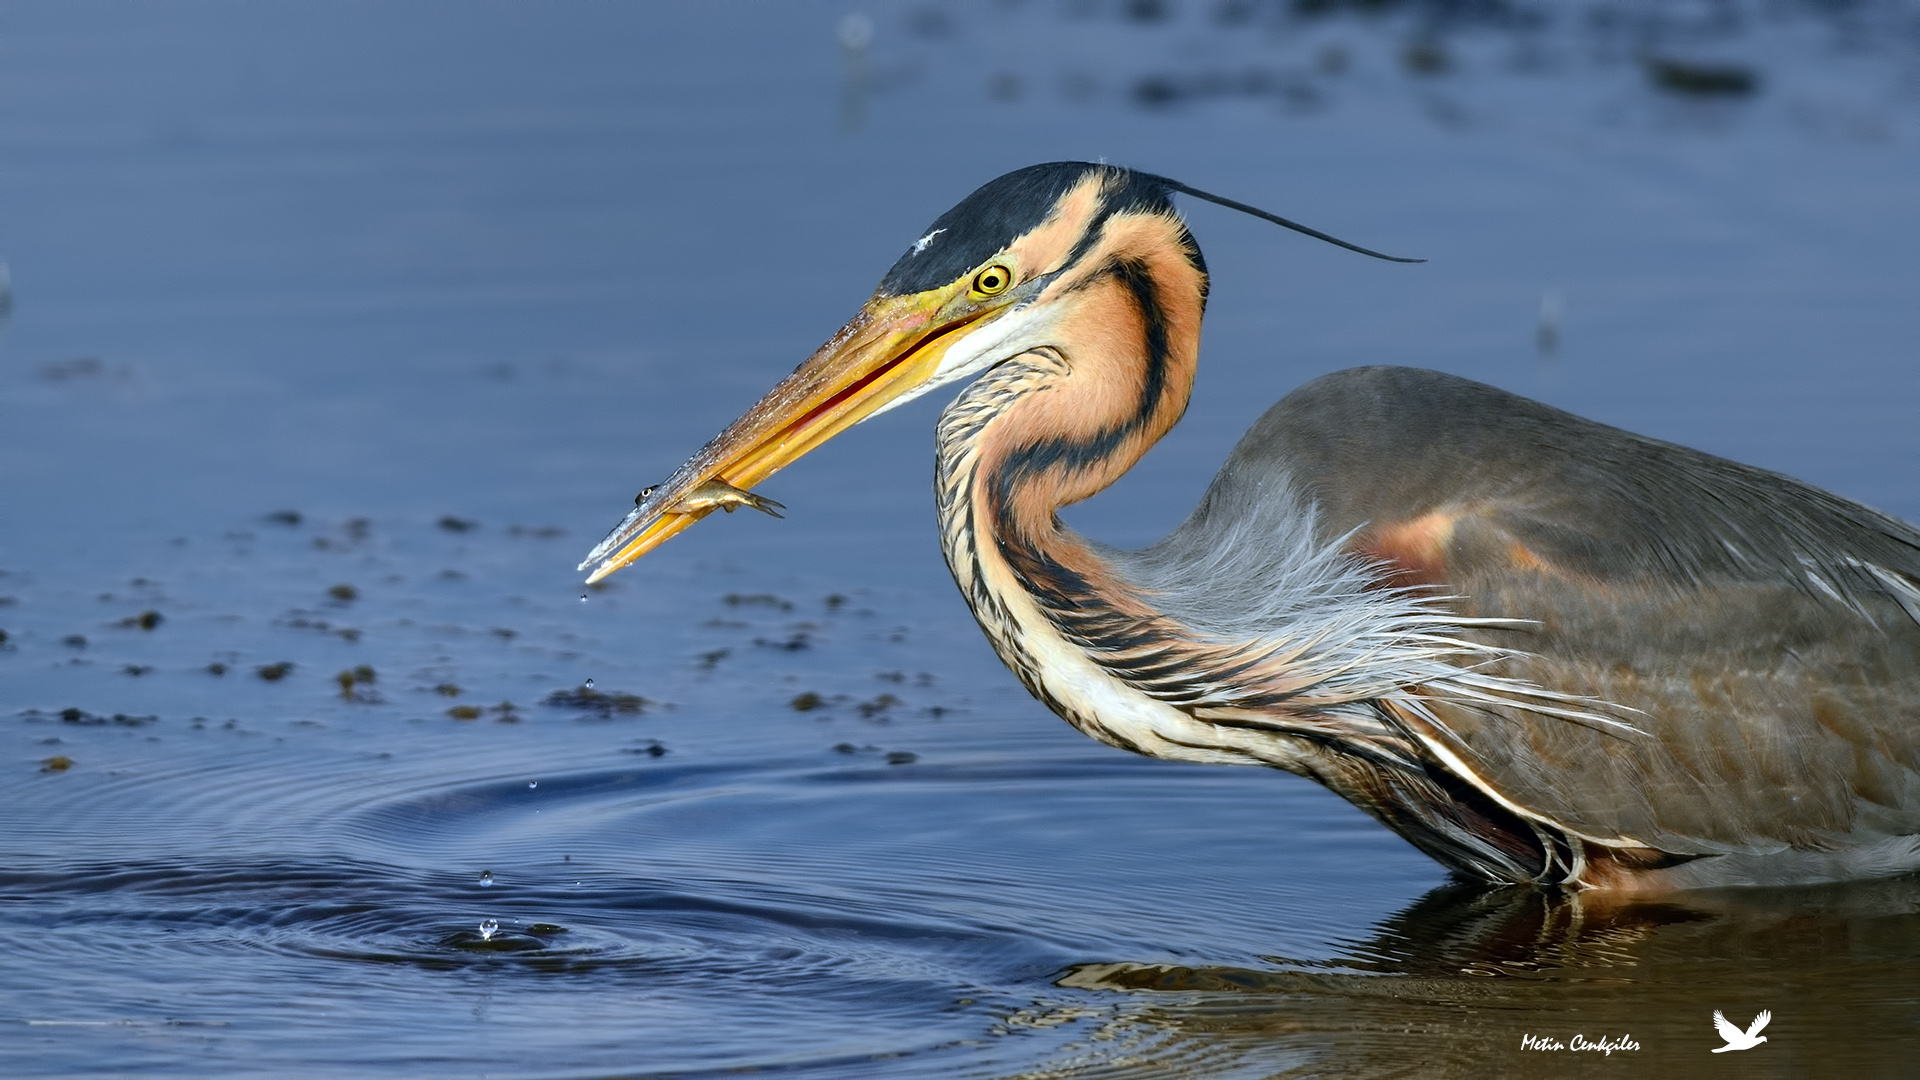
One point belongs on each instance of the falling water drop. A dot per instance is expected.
(486, 879)
(487, 929)
(533, 783)
(583, 598)
(589, 684)
(1547, 335)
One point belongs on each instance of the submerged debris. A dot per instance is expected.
(758, 600)
(361, 675)
(1701, 80)
(274, 672)
(83, 718)
(302, 620)
(79, 367)
(893, 757)
(56, 763)
(1426, 56)
(602, 703)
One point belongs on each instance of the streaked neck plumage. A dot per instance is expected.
(1050, 426)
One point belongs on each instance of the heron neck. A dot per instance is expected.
(1057, 424)
(1062, 421)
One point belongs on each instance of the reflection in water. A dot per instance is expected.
(1457, 982)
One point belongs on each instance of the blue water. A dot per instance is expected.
(411, 298)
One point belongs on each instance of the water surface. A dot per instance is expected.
(341, 332)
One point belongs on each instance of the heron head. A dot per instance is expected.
(986, 281)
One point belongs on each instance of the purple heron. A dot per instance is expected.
(1539, 648)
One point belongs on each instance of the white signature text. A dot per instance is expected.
(1579, 1042)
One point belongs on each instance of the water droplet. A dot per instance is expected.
(583, 598)
(487, 929)
(589, 684)
(533, 783)
(486, 878)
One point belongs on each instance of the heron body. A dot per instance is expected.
(1539, 648)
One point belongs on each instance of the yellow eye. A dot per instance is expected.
(992, 281)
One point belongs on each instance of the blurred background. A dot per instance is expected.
(340, 332)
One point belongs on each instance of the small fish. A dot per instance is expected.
(717, 494)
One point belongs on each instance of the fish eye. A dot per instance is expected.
(992, 281)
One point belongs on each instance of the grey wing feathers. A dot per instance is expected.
(1769, 632)
(1380, 444)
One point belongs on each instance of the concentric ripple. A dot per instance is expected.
(385, 941)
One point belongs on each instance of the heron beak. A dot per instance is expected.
(894, 344)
